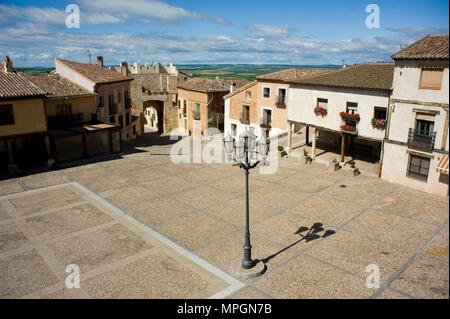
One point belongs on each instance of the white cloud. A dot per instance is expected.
(418, 32)
(39, 47)
(269, 31)
(107, 12)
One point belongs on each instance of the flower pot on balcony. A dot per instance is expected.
(334, 166)
(356, 171)
(282, 153)
(308, 159)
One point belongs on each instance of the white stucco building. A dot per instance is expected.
(360, 91)
(416, 146)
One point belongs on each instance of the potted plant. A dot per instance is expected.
(350, 117)
(379, 124)
(308, 159)
(335, 165)
(319, 110)
(281, 151)
(355, 169)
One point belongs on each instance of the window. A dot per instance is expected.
(112, 119)
(134, 129)
(121, 121)
(184, 108)
(352, 107)
(267, 118)
(197, 111)
(245, 116)
(281, 98)
(380, 113)
(112, 106)
(179, 103)
(282, 95)
(233, 130)
(127, 99)
(248, 95)
(418, 167)
(431, 79)
(424, 127)
(322, 102)
(127, 118)
(120, 97)
(6, 115)
(100, 101)
(266, 92)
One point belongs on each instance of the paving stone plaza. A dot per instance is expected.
(140, 226)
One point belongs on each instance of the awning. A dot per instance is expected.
(443, 165)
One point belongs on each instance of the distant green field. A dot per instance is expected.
(244, 71)
(35, 70)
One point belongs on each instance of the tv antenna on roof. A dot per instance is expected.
(90, 56)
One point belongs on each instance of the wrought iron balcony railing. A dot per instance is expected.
(421, 142)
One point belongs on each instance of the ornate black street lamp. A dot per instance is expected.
(245, 158)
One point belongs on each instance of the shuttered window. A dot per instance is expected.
(245, 113)
(431, 79)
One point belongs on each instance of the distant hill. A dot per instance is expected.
(245, 71)
(35, 70)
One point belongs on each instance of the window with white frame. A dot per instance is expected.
(248, 95)
(352, 107)
(266, 92)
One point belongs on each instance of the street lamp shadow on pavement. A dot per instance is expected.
(312, 234)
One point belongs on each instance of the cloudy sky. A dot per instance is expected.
(32, 33)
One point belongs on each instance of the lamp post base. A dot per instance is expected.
(238, 271)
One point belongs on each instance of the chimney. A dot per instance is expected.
(232, 86)
(100, 61)
(8, 65)
(124, 68)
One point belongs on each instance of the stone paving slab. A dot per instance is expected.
(10, 187)
(306, 278)
(400, 231)
(438, 246)
(424, 278)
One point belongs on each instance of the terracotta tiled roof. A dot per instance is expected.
(56, 86)
(95, 73)
(242, 88)
(291, 74)
(429, 47)
(376, 75)
(14, 85)
(211, 85)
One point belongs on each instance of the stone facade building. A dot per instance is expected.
(201, 103)
(154, 94)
